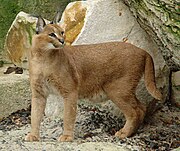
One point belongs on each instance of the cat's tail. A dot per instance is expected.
(149, 77)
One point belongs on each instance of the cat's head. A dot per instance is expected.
(51, 32)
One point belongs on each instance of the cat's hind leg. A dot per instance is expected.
(122, 93)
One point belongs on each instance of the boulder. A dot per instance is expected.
(73, 20)
(18, 38)
(112, 21)
(14, 93)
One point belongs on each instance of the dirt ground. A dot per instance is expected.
(160, 131)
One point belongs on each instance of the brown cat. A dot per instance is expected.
(113, 69)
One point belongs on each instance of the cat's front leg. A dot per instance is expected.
(38, 103)
(37, 112)
(70, 107)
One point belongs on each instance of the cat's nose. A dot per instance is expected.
(61, 40)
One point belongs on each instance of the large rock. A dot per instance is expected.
(112, 21)
(73, 20)
(14, 93)
(18, 38)
(160, 18)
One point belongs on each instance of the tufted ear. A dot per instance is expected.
(56, 18)
(40, 25)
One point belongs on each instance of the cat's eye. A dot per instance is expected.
(52, 35)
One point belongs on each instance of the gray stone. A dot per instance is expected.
(14, 93)
(18, 38)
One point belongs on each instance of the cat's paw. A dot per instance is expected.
(122, 134)
(65, 138)
(30, 138)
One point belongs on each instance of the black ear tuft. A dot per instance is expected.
(40, 25)
(57, 17)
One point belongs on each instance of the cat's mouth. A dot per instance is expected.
(61, 41)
